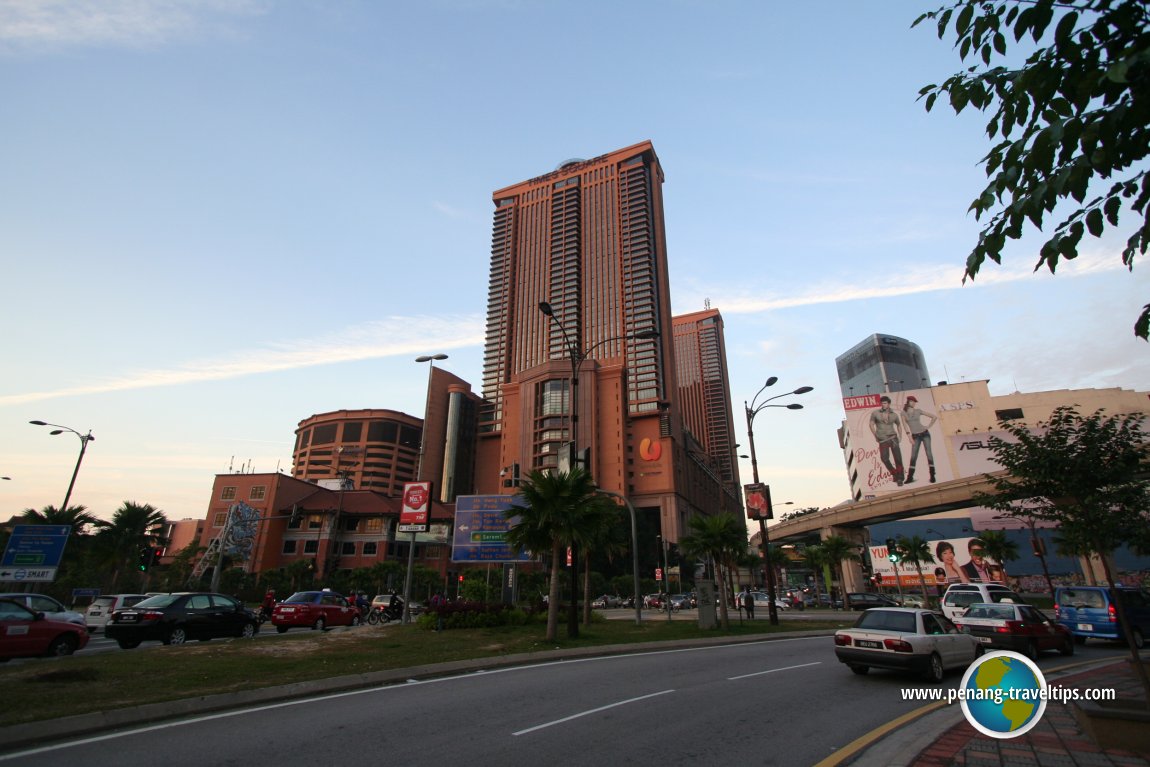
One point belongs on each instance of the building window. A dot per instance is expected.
(350, 525)
(353, 431)
(295, 522)
(370, 548)
(348, 549)
(220, 519)
(1009, 414)
(323, 435)
(315, 521)
(289, 547)
(257, 493)
(373, 525)
(310, 546)
(228, 493)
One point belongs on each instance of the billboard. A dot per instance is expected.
(416, 512)
(893, 440)
(955, 560)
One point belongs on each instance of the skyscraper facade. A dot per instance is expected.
(704, 391)
(881, 364)
(587, 240)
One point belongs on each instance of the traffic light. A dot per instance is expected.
(143, 558)
(155, 554)
(461, 577)
(892, 550)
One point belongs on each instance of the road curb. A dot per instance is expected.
(34, 733)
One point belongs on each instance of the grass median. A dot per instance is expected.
(36, 690)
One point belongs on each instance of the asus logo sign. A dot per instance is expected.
(974, 445)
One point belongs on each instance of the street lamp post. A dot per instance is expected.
(429, 358)
(577, 357)
(753, 409)
(84, 440)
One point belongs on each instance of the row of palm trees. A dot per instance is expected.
(99, 552)
(566, 510)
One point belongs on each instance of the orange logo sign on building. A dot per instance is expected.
(650, 450)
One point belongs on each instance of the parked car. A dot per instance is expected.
(680, 602)
(1021, 628)
(763, 602)
(653, 601)
(960, 596)
(25, 633)
(42, 603)
(1091, 611)
(606, 601)
(176, 618)
(905, 639)
(316, 610)
(910, 600)
(101, 609)
(864, 600)
(383, 600)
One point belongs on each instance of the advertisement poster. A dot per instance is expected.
(415, 515)
(956, 560)
(897, 440)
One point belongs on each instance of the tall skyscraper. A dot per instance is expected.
(705, 390)
(588, 240)
(881, 364)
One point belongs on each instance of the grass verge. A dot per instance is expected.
(51, 688)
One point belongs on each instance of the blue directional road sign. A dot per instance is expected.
(480, 527)
(34, 552)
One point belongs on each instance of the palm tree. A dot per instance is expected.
(134, 526)
(76, 517)
(603, 535)
(839, 550)
(719, 538)
(916, 550)
(815, 556)
(999, 548)
(558, 507)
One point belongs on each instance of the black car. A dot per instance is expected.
(864, 600)
(176, 618)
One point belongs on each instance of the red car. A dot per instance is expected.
(1021, 628)
(24, 633)
(314, 609)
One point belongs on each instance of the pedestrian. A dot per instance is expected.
(749, 604)
(437, 608)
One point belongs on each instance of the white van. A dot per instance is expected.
(960, 596)
(101, 609)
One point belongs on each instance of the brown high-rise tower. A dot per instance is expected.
(588, 240)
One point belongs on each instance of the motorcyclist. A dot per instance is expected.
(268, 605)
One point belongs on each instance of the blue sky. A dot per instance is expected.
(219, 217)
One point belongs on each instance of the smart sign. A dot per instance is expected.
(34, 552)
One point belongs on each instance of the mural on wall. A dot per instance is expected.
(244, 522)
(895, 438)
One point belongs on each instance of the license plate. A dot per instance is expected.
(868, 643)
(128, 618)
(287, 609)
(1085, 627)
(984, 640)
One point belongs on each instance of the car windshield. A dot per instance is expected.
(887, 620)
(1005, 596)
(998, 612)
(305, 597)
(1083, 598)
(163, 600)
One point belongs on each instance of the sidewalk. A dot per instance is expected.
(944, 737)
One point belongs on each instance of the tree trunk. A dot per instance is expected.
(587, 588)
(553, 593)
(1119, 605)
(922, 585)
(724, 616)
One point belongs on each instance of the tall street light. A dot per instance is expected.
(84, 440)
(577, 358)
(429, 358)
(753, 408)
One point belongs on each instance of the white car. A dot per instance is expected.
(52, 609)
(101, 608)
(905, 639)
(960, 596)
(763, 602)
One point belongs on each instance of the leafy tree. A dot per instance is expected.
(557, 506)
(839, 551)
(1085, 473)
(76, 517)
(916, 551)
(602, 533)
(815, 557)
(719, 538)
(134, 526)
(1074, 115)
(999, 548)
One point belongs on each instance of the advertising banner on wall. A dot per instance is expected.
(415, 514)
(956, 560)
(894, 438)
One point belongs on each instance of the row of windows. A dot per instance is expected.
(395, 549)
(257, 493)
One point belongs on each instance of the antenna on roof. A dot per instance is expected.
(706, 303)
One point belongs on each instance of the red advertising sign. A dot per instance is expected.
(416, 512)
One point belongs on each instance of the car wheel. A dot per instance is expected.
(282, 629)
(355, 620)
(320, 624)
(979, 650)
(1067, 647)
(249, 631)
(178, 635)
(128, 644)
(935, 671)
(1078, 640)
(1031, 651)
(860, 670)
(61, 646)
(1139, 640)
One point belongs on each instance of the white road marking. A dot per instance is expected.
(773, 670)
(590, 711)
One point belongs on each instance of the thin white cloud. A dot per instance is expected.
(134, 23)
(923, 279)
(383, 338)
